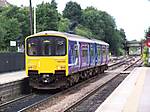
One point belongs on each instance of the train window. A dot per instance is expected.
(46, 46)
(91, 51)
(74, 53)
(32, 49)
(104, 51)
(84, 53)
(60, 47)
(98, 51)
(84, 50)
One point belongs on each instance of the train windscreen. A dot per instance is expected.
(46, 46)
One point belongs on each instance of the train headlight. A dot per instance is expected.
(32, 67)
(59, 67)
(45, 78)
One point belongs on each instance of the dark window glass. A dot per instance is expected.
(92, 51)
(98, 50)
(74, 53)
(104, 51)
(84, 50)
(46, 46)
(84, 53)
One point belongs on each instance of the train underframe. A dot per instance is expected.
(60, 81)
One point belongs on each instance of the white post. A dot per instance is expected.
(34, 19)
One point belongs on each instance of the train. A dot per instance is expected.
(59, 59)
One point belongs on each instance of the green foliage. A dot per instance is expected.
(21, 15)
(91, 19)
(103, 27)
(9, 29)
(63, 25)
(48, 16)
(92, 23)
(72, 11)
(53, 4)
(3, 31)
(145, 56)
(81, 30)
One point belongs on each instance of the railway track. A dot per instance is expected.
(18, 104)
(33, 101)
(119, 62)
(73, 107)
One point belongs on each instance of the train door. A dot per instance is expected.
(98, 54)
(104, 54)
(107, 54)
(92, 54)
(84, 54)
(73, 56)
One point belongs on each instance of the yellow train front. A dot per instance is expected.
(56, 59)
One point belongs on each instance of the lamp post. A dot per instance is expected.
(34, 19)
(31, 26)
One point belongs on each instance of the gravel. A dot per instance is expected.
(94, 101)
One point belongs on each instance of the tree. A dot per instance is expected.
(117, 46)
(9, 29)
(103, 27)
(83, 31)
(2, 32)
(54, 4)
(48, 17)
(63, 25)
(123, 39)
(91, 19)
(21, 15)
(91, 23)
(72, 11)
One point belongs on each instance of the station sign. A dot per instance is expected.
(12, 43)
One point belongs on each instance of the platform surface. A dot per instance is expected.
(12, 76)
(132, 95)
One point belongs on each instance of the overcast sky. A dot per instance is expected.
(131, 15)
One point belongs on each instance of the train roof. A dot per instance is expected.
(100, 42)
(72, 37)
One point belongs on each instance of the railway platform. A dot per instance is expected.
(20, 75)
(132, 95)
(12, 85)
(12, 77)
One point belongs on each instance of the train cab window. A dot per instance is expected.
(60, 47)
(46, 46)
(32, 49)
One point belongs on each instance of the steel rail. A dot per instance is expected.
(75, 104)
(45, 100)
